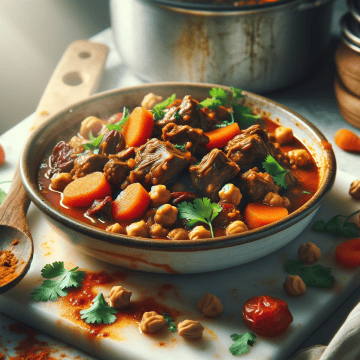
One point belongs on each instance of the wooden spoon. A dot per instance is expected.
(75, 78)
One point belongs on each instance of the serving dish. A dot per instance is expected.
(175, 256)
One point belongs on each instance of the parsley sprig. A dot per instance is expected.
(337, 227)
(158, 110)
(241, 114)
(180, 147)
(201, 210)
(313, 276)
(99, 312)
(170, 321)
(273, 168)
(118, 125)
(94, 143)
(241, 343)
(52, 289)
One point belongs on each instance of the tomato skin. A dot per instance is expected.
(348, 253)
(267, 316)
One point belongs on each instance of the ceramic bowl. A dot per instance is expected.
(172, 256)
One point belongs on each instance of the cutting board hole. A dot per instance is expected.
(84, 55)
(72, 79)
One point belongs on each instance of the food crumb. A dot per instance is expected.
(8, 266)
(15, 242)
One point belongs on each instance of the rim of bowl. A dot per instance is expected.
(41, 202)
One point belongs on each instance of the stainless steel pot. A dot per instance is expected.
(260, 50)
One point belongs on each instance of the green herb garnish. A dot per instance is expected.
(177, 116)
(202, 210)
(337, 227)
(170, 321)
(273, 168)
(158, 110)
(313, 276)
(306, 192)
(2, 192)
(94, 143)
(180, 147)
(52, 289)
(241, 343)
(99, 312)
(118, 125)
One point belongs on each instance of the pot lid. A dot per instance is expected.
(221, 5)
(351, 31)
(354, 7)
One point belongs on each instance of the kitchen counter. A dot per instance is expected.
(313, 98)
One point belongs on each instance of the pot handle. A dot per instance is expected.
(311, 4)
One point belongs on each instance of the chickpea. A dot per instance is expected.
(60, 181)
(309, 252)
(210, 305)
(199, 232)
(236, 227)
(152, 322)
(156, 230)
(190, 329)
(299, 157)
(166, 215)
(92, 124)
(77, 144)
(286, 202)
(230, 194)
(149, 217)
(273, 199)
(119, 297)
(283, 135)
(150, 100)
(294, 285)
(354, 190)
(139, 229)
(178, 234)
(116, 228)
(159, 195)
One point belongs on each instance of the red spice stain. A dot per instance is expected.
(167, 290)
(161, 343)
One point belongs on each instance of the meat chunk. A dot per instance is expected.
(59, 181)
(101, 209)
(214, 170)
(193, 140)
(126, 154)
(256, 184)
(61, 159)
(116, 170)
(157, 162)
(88, 163)
(112, 143)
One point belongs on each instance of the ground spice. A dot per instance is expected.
(8, 266)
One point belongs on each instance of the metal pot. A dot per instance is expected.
(260, 49)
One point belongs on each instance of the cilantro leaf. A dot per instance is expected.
(170, 321)
(306, 192)
(2, 196)
(273, 168)
(52, 289)
(201, 210)
(99, 312)
(94, 142)
(236, 93)
(118, 125)
(241, 343)
(219, 97)
(244, 116)
(180, 147)
(158, 110)
(177, 116)
(313, 276)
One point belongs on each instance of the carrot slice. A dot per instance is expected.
(347, 140)
(220, 137)
(138, 128)
(83, 191)
(257, 215)
(348, 253)
(131, 203)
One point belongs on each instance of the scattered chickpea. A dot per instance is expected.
(60, 181)
(236, 227)
(309, 252)
(156, 230)
(210, 305)
(190, 329)
(150, 100)
(230, 194)
(159, 195)
(149, 217)
(273, 199)
(119, 297)
(355, 189)
(166, 215)
(199, 232)
(91, 123)
(283, 135)
(152, 322)
(299, 157)
(178, 234)
(294, 285)
(139, 229)
(116, 228)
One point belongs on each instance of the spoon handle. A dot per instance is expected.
(14, 207)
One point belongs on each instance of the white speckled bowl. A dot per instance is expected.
(172, 256)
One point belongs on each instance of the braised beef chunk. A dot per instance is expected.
(193, 140)
(157, 162)
(214, 170)
(116, 170)
(228, 214)
(102, 209)
(255, 185)
(126, 154)
(61, 159)
(88, 163)
(291, 179)
(112, 143)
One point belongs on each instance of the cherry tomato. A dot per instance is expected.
(348, 253)
(266, 315)
(2, 155)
